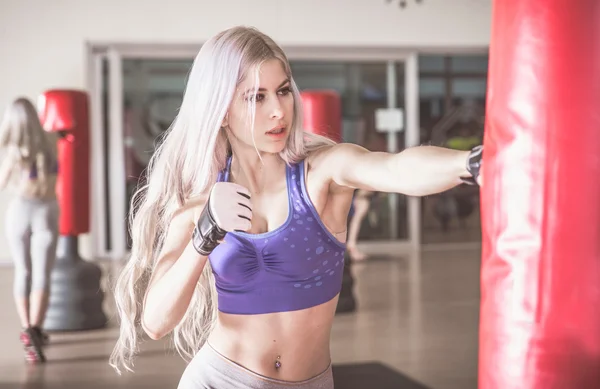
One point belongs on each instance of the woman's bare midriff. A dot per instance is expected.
(299, 340)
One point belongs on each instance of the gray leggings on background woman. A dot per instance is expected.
(32, 233)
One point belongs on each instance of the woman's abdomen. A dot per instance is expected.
(296, 341)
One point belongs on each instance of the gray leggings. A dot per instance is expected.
(32, 233)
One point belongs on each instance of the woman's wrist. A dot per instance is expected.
(462, 164)
(472, 165)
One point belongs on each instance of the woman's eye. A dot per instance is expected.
(285, 91)
(256, 98)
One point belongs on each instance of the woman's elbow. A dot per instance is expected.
(153, 335)
(153, 332)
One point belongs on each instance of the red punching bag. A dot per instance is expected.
(540, 281)
(66, 112)
(76, 295)
(323, 113)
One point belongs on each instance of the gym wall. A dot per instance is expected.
(43, 43)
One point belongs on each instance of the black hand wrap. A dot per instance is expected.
(473, 165)
(207, 233)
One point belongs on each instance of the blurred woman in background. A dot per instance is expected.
(28, 168)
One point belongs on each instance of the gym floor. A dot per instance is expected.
(415, 327)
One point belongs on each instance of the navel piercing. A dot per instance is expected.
(277, 362)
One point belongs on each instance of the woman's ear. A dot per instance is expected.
(225, 122)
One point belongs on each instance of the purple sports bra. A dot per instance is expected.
(296, 266)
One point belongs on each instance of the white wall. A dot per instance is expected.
(43, 43)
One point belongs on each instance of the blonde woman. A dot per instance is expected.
(29, 168)
(238, 234)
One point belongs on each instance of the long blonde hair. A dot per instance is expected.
(186, 164)
(24, 141)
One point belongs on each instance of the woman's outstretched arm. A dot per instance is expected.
(417, 171)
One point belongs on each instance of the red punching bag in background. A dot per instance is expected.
(66, 112)
(75, 293)
(540, 281)
(323, 113)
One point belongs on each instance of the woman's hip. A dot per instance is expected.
(211, 370)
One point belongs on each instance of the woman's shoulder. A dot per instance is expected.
(317, 162)
(331, 154)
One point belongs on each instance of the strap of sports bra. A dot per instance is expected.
(224, 174)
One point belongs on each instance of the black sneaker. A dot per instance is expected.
(33, 346)
(43, 335)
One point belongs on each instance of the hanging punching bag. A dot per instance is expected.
(540, 281)
(323, 113)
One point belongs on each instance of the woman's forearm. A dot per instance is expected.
(426, 170)
(168, 298)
